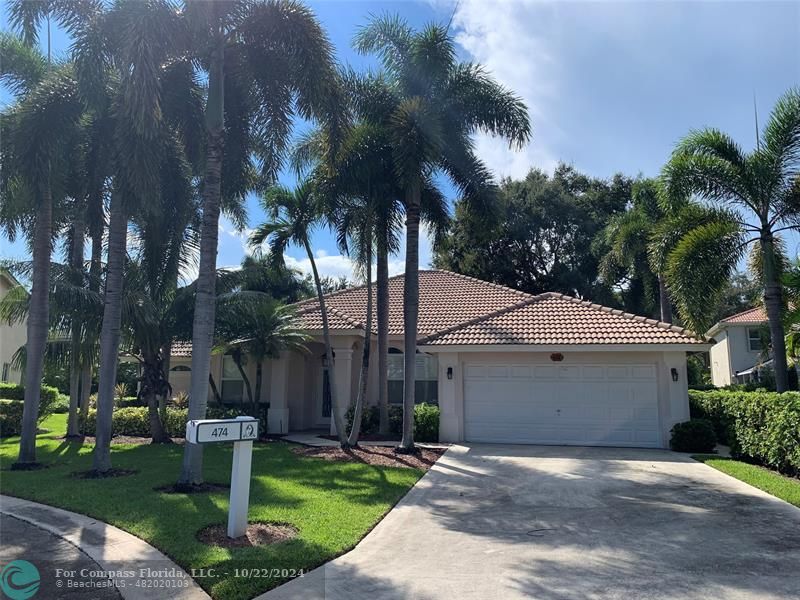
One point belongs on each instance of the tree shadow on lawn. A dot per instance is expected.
(598, 526)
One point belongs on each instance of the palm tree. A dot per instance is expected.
(41, 131)
(436, 104)
(265, 60)
(294, 215)
(253, 324)
(765, 185)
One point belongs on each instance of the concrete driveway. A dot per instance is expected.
(561, 523)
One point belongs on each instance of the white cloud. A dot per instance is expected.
(510, 39)
(338, 265)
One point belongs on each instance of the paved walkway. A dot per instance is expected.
(56, 541)
(559, 523)
(21, 540)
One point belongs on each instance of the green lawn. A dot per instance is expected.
(785, 488)
(332, 504)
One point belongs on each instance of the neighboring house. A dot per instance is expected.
(12, 337)
(738, 349)
(503, 366)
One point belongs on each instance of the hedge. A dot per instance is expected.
(134, 420)
(11, 406)
(426, 421)
(762, 426)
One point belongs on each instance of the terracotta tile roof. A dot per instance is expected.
(456, 309)
(181, 349)
(556, 319)
(446, 299)
(752, 315)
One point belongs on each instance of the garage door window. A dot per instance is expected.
(427, 378)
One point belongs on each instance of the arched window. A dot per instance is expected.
(179, 368)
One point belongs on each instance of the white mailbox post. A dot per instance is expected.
(241, 431)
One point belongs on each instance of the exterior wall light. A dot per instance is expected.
(674, 373)
(449, 372)
(557, 357)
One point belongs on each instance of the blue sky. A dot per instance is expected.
(611, 86)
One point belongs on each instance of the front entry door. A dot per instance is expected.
(324, 404)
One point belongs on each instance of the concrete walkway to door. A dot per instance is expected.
(559, 523)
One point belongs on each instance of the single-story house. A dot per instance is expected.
(503, 366)
(12, 336)
(737, 353)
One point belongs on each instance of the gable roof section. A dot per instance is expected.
(459, 310)
(446, 299)
(552, 319)
(753, 315)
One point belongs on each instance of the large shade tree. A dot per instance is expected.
(760, 194)
(435, 106)
(265, 62)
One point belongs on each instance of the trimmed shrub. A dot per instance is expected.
(426, 421)
(696, 435)
(11, 406)
(134, 420)
(127, 402)
(761, 426)
(61, 405)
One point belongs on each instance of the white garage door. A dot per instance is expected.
(592, 405)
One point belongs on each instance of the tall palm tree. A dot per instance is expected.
(294, 215)
(765, 185)
(265, 61)
(435, 106)
(41, 133)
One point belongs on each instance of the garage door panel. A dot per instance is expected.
(564, 404)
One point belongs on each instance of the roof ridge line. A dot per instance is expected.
(627, 315)
(484, 282)
(475, 320)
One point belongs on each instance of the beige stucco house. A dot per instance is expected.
(738, 347)
(12, 337)
(503, 366)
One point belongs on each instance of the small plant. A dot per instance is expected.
(119, 393)
(426, 423)
(696, 435)
(181, 400)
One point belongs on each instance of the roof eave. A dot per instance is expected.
(656, 347)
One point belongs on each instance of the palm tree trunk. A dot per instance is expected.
(237, 359)
(38, 316)
(383, 337)
(410, 316)
(363, 378)
(774, 305)
(205, 299)
(166, 356)
(96, 228)
(109, 335)
(663, 300)
(259, 379)
(338, 421)
(76, 263)
(215, 392)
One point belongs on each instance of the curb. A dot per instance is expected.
(109, 547)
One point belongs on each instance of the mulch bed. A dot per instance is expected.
(202, 488)
(380, 456)
(258, 534)
(92, 474)
(368, 437)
